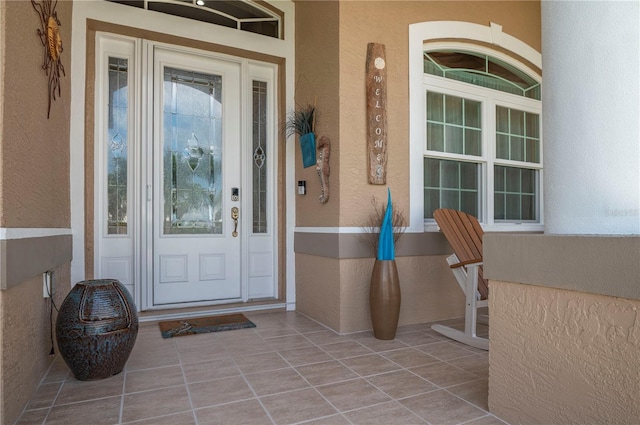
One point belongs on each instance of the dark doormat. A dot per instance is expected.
(202, 325)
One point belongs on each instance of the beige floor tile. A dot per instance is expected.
(149, 379)
(401, 384)
(444, 350)
(276, 381)
(378, 345)
(58, 371)
(409, 357)
(184, 418)
(475, 392)
(73, 390)
(260, 362)
(444, 374)
(225, 370)
(248, 412)
(338, 419)
(297, 406)
(415, 338)
(212, 369)
(308, 326)
(326, 372)
(104, 411)
(325, 337)
(276, 331)
(153, 357)
(384, 414)
(486, 420)
(289, 342)
(303, 356)
(219, 391)
(371, 364)
(198, 354)
(343, 350)
(440, 407)
(477, 364)
(149, 404)
(349, 395)
(33, 417)
(44, 395)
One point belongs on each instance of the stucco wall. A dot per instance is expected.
(26, 340)
(563, 357)
(35, 150)
(331, 47)
(34, 194)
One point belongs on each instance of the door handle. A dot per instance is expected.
(235, 214)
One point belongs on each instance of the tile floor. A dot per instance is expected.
(288, 370)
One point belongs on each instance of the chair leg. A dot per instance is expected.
(469, 336)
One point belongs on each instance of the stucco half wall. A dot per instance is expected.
(564, 328)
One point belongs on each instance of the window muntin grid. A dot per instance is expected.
(481, 70)
(451, 184)
(515, 194)
(453, 124)
(519, 126)
(517, 135)
(117, 146)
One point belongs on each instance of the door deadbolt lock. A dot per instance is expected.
(235, 194)
(235, 214)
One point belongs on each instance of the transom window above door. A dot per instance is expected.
(255, 17)
(483, 147)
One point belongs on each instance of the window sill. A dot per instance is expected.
(502, 227)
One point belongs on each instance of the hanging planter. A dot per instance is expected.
(301, 123)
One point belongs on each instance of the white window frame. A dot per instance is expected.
(489, 99)
(424, 37)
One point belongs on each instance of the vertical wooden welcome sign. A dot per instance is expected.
(376, 76)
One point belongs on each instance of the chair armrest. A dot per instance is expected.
(475, 262)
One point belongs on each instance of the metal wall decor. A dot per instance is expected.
(49, 33)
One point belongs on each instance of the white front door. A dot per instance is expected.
(196, 164)
(188, 218)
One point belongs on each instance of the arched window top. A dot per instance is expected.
(481, 70)
(245, 15)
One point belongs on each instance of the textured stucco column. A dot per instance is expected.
(563, 357)
(591, 111)
(564, 306)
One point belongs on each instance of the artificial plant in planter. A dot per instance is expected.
(301, 122)
(384, 292)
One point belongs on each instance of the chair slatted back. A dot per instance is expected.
(464, 234)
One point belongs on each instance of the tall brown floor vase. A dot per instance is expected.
(384, 299)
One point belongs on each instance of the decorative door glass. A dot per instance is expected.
(259, 157)
(192, 170)
(117, 147)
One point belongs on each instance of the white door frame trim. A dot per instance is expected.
(127, 16)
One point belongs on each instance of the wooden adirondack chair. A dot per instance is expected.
(464, 234)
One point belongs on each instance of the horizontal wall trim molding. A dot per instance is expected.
(23, 258)
(339, 244)
(23, 233)
(604, 265)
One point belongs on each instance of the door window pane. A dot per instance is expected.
(192, 152)
(117, 147)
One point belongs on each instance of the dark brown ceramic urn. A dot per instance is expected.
(96, 328)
